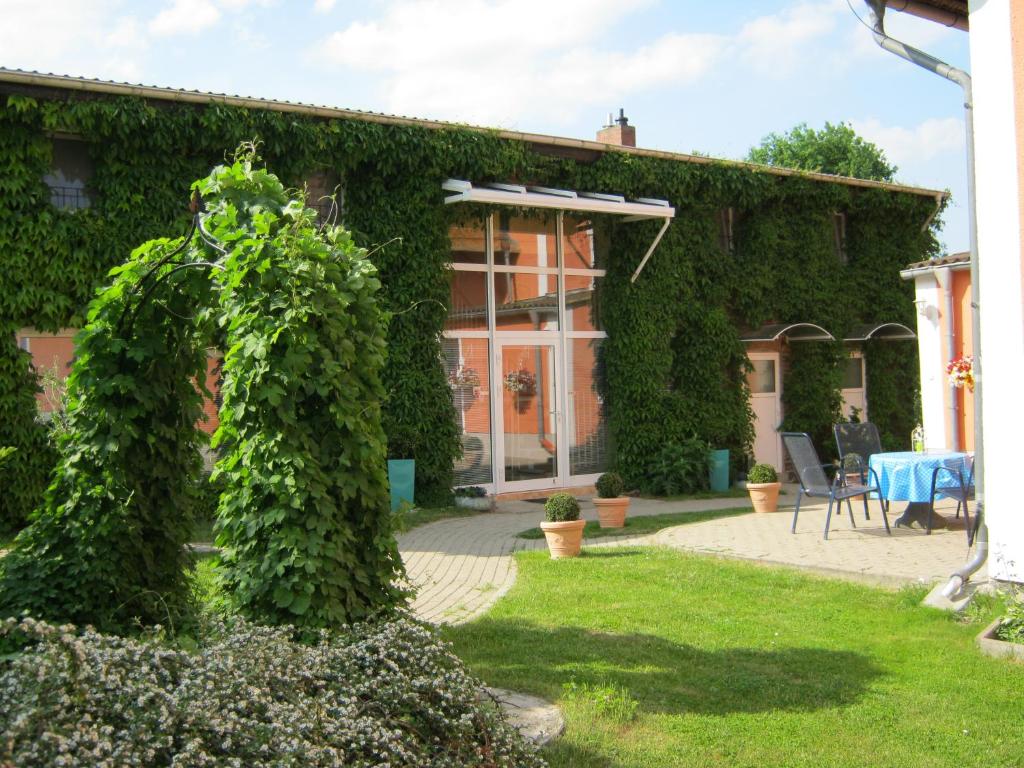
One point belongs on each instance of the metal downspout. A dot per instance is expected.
(961, 78)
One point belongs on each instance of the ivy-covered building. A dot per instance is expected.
(559, 306)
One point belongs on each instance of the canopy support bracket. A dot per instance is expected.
(643, 261)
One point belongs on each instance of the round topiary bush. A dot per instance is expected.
(385, 693)
(561, 508)
(762, 473)
(610, 485)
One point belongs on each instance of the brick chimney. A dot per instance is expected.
(618, 131)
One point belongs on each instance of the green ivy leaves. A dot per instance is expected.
(304, 516)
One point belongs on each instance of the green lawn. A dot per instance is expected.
(733, 664)
(643, 523)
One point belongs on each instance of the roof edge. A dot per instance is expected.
(68, 82)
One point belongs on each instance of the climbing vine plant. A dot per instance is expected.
(673, 361)
(304, 518)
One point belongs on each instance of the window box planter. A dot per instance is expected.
(991, 645)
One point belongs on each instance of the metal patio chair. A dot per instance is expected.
(856, 444)
(958, 488)
(813, 481)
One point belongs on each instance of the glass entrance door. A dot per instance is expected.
(528, 414)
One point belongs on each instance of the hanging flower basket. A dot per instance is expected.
(961, 372)
(521, 382)
(464, 383)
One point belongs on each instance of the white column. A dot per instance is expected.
(933, 366)
(999, 247)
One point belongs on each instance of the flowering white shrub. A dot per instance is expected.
(382, 694)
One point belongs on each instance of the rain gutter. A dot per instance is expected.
(961, 78)
(30, 80)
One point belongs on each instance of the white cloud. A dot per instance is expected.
(913, 148)
(185, 17)
(494, 62)
(779, 42)
(70, 37)
(323, 6)
(497, 60)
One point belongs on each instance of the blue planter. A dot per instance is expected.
(402, 479)
(718, 469)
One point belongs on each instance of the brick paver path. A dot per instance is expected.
(864, 553)
(461, 566)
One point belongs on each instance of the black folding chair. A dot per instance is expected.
(857, 443)
(956, 488)
(813, 481)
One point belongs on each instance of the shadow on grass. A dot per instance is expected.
(664, 676)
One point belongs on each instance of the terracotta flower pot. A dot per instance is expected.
(611, 513)
(565, 538)
(764, 496)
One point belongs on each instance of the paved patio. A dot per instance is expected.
(462, 566)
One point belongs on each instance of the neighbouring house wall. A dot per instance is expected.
(933, 323)
(997, 67)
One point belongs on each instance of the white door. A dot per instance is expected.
(528, 419)
(855, 403)
(765, 400)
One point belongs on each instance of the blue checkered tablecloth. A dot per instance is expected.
(907, 476)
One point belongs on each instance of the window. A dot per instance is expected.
(761, 379)
(839, 236)
(853, 373)
(539, 277)
(326, 196)
(726, 223)
(70, 174)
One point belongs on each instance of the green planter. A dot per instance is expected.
(402, 479)
(718, 470)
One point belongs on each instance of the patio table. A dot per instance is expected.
(907, 476)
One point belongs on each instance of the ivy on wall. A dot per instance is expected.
(673, 361)
(303, 519)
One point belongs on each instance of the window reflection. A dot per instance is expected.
(468, 243)
(524, 242)
(582, 312)
(467, 309)
(584, 245)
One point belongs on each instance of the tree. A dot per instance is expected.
(834, 149)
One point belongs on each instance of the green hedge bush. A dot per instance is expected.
(680, 467)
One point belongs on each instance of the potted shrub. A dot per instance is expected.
(610, 502)
(763, 486)
(562, 525)
(473, 497)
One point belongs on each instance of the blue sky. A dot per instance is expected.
(692, 76)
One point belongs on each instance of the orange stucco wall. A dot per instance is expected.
(963, 345)
(53, 352)
(56, 352)
(1017, 47)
